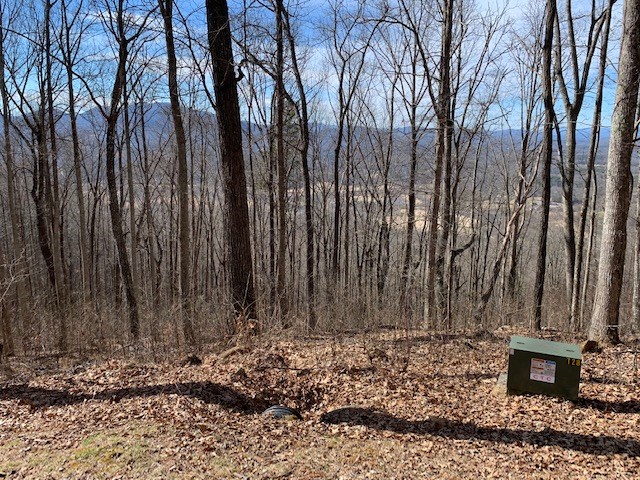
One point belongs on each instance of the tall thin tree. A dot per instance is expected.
(118, 24)
(303, 117)
(166, 10)
(547, 154)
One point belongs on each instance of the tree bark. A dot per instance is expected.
(68, 57)
(281, 293)
(576, 318)
(438, 238)
(303, 116)
(166, 9)
(547, 153)
(18, 252)
(605, 318)
(237, 231)
(115, 209)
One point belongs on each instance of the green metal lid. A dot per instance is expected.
(536, 345)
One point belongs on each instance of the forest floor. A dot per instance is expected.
(417, 406)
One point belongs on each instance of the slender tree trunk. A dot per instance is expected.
(512, 274)
(151, 236)
(443, 159)
(18, 252)
(579, 75)
(348, 170)
(308, 186)
(444, 235)
(273, 293)
(39, 197)
(133, 234)
(547, 154)
(590, 245)
(383, 253)
(166, 9)
(7, 346)
(52, 189)
(281, 293)
(114, 203)
(85, 264)
(407, 264)
(576, 318)
(567, 202)
(337, 234)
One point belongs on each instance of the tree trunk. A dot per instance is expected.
(281, 293)
(308, 186)
(590, 244)
(576, 318)
(114, 204)
(547, 154)
(18, 253)
(133, 234)
(238, 235)
(67, 53)
(579, 75)
(443, 161)
(605, 318)
(407, 263)
(52, 188)
(166, 9)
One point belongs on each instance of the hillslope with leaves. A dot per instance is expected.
(383, 405)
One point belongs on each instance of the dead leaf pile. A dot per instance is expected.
(375, 406)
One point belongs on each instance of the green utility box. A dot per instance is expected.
(544, 367)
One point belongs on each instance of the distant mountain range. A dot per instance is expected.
(158, 123)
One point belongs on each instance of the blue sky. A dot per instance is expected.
(311, 10)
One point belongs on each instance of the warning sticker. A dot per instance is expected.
(543, 370)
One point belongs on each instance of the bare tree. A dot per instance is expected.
(349, 47)
(125, 31)
(528, 79)
(237, 233)
(281, 171)
(303, 117)
(572, 92)
(547, 154)
(32, 81)
(17, 242)
(405, 62)
(166, 10)
(72, 28)
(605, 317)
(578, 281)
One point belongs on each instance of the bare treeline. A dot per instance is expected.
(402, 163)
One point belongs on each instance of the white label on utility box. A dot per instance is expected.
(543, 370)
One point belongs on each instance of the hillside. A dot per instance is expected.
(440, 417)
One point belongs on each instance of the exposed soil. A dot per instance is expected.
(373, 406)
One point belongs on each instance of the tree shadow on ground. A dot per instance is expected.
(208, 392)
(627, 406)
(459, 376)
(440, 427)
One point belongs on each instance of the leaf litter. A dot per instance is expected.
(380, 405)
